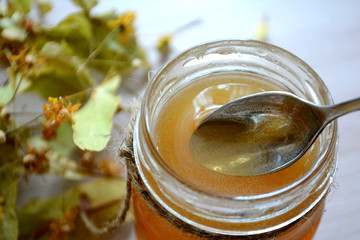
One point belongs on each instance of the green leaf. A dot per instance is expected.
(35, 216)
(87, 5)
(21, 6)
(74, 26)
(100, 191)
(44, 7)
(59, 75)
(17, 84)
(63, 142)
(6, 94)
(93, 122)
(54, 49)
(8, 191)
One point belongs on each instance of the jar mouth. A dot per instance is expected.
(200, 51)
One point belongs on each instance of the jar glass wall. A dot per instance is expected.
(178, 199)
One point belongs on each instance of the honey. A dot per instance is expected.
(175, 197)
(150, 226)
(184, 112)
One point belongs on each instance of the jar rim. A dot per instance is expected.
(144, 111)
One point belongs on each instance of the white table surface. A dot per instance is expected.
(324, 33)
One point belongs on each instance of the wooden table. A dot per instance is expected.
(324, 33)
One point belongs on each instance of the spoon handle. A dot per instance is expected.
(337, 110)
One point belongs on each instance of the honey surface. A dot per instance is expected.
(184, 112)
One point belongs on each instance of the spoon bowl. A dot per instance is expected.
(261, 133)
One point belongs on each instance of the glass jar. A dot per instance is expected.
(175, 204)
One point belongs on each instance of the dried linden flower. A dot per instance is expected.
(4, 113)
(57, 112)
(36, 162)
(126, 28)
(163, 43)
(2, 137)
(262, 31)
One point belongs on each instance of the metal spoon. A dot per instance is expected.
(262, 133)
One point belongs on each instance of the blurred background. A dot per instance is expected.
(324, 33)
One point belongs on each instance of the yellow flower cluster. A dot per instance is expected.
(125, 25)
(58, 111)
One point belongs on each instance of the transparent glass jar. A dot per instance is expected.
(170, 206)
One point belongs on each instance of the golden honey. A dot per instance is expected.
(285, 205)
